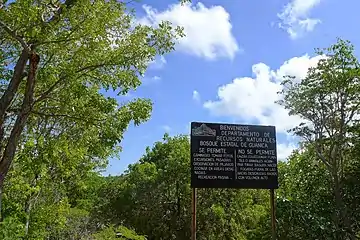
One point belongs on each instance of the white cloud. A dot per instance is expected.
(295, 17)
(156, 78)
(151, 80)
(196, 96)
(166, 128)
(158, 63)
(208, 30)
(284, 150)
(253, 99)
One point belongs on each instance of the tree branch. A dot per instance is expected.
(64, 115)
(321, 156)
(67, 4)
(55, 41)
(15, 36)
(52, 87)
(47, 92)
(47, 61)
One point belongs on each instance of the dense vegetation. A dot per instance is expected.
(57, 130)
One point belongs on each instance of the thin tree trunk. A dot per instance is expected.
(21, 119)
(31, 200)
(1, 216)
(8, 96)
(338, 210)
(28, 212)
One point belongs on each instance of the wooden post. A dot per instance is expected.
(273, 218)
(193, 222)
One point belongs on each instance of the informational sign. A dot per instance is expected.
(233, 156)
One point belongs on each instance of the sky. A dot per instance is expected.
(229, 66)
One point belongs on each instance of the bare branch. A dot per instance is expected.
(321, 156)
(352, 113)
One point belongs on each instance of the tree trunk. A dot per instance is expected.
(342, 221)
(338, 209)
(10, 149)
(1, 216)
(30, 201)
(13, 86)
(28, 207)
(10, 92)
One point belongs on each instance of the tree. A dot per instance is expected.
(304, 201)
(50, 173)
(121, 233)
(154, 197)
(62, 54)
(328, 100)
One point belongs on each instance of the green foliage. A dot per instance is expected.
(11, 228)
(80, 57)
(121, 232)
(302, 214)
(53, 189)
(154, 198)
(69, 128)
(328, 100)
(153, 195)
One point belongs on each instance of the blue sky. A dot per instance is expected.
(229, 65)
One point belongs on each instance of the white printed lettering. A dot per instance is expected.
(209, 143)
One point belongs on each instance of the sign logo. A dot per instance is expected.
(203, 131)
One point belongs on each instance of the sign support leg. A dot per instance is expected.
(273, 218)
(193, 222)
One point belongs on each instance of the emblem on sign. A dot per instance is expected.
(203, 131)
